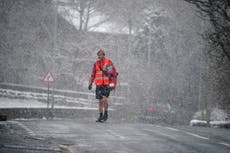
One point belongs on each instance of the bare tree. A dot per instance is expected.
(217, 56)
(127, 13)
(85, 8)
(218, 13)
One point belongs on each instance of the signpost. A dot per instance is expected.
(49, 78)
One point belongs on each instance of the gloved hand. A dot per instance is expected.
(90, 86)
(105, 72)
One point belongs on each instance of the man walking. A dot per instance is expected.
(102, 70)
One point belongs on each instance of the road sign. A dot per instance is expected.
(49, 77)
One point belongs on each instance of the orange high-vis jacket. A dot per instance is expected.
(97, 72)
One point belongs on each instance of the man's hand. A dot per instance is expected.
(105, 72)
(90, 86)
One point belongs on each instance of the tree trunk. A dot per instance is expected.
(87, 16)
(81, 20)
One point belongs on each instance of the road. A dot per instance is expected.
(87, 136)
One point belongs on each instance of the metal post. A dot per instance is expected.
(48, 95)
(52, 106)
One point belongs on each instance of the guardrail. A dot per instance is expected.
(66, 97)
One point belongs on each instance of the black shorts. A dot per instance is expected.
(102, 91)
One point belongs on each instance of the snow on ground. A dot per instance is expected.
(225, 123)
(16, 98)
(24, 99)
(218, 118)
(88, 99)
(29, 103)
(19, 103)
(39, 96)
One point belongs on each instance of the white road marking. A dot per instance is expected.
(158, 126)
(226, 144)
(196, 135)
(167, 135)
(173, 129)
(116, 134)
(192, 134)
(28, 130)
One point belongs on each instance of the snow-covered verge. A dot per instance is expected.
(38, 98)
(26, 102)
(214, 124)
(11, 108)
(6, 103)
(58, 96)
(218, 119)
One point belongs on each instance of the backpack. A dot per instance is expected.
(112, 73)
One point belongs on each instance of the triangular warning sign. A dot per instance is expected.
(49, 77)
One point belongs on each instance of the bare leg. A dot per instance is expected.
(100, 109)
(100, 106)
(105, 101)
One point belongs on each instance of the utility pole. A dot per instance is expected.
(201, 62)
(55, 27)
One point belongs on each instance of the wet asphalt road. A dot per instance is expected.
(86, 136)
